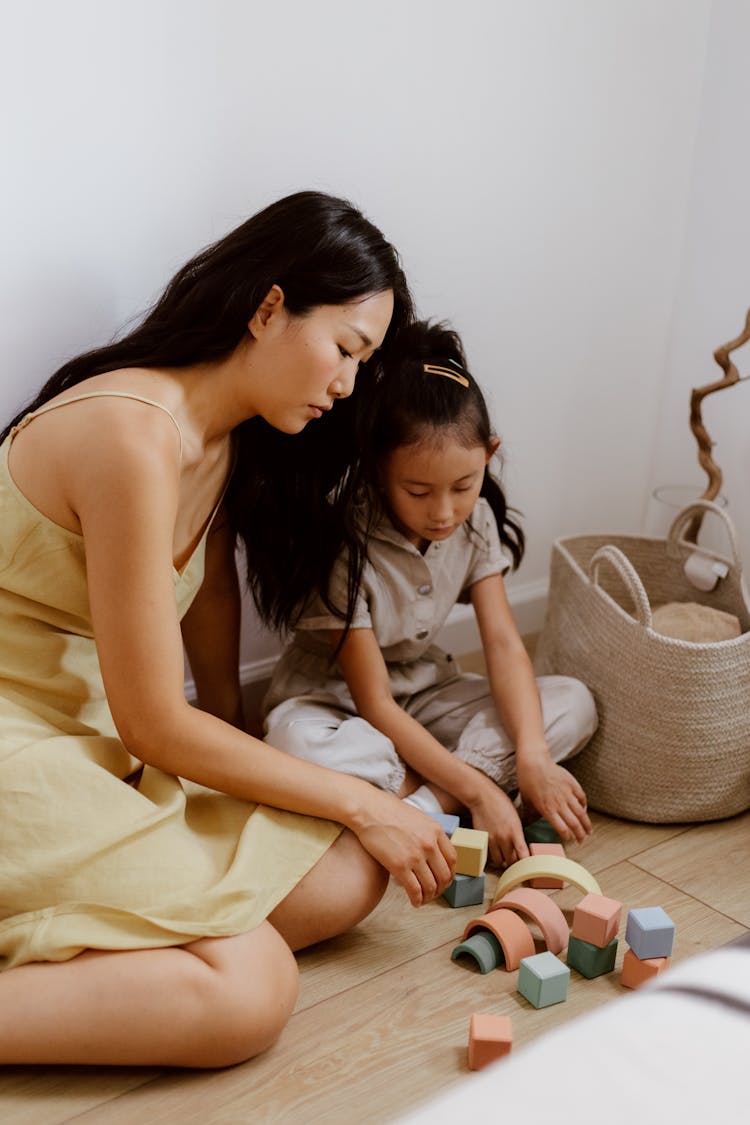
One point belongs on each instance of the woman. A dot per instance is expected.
(146, 920)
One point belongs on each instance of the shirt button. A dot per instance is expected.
(422, 634)
(426, 589)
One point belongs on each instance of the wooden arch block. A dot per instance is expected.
(515, 937)
(551, 866)
(542, 910)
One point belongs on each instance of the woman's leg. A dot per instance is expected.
(343, 887)
(212, 1003)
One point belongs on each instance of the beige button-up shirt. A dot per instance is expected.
(404, 597)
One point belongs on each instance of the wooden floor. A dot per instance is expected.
(383, 1014)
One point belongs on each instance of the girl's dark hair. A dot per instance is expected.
(289, 496)
(409, 405)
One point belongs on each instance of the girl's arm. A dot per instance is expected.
(366, 674)
(211, 628)
(552, 791)
(125, 493)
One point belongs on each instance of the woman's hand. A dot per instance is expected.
(411, 846)
(556, 795)
(493, 811)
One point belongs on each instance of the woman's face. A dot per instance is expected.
(309, 361)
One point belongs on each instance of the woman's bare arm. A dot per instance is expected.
(211, 628)
(125, 495)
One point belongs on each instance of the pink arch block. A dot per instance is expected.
(542, 910)
(514, 935)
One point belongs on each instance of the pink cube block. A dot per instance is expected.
(596, 919)
(547, 884)
(636, 972)
(490, 1037)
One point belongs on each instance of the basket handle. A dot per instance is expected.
(622, 565)
(680, 523)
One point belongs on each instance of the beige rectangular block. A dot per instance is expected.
(471, 846)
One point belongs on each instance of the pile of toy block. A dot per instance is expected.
(500, 938)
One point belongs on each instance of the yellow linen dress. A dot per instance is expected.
(86, 859)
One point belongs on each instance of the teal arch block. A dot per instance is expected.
(484, 948)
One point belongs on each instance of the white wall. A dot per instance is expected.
(713, 291)
(532, 162)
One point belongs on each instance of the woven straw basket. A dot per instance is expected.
(673, 742)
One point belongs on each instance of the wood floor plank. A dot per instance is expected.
(712, 863)
(395, 933)
(369, 1052)
(613, 840)
(53, 1095)
(370, 950)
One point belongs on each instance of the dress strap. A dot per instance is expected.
(97, 394)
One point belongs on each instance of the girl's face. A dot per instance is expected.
(431, 487)
(307, 362)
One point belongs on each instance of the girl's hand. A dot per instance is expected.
(412, 847)
(556, 795)
(493, 811)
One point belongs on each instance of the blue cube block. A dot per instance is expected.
(650, 932)
(543, 979)
(465, 890)
(447, 821)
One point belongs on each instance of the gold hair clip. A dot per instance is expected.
(434, 369)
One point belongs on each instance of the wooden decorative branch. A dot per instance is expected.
(705, 444)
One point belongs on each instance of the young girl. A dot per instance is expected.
(394, 708)
(155, 871)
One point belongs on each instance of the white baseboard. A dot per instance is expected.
(459, 635)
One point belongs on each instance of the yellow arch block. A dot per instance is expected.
(546, 867)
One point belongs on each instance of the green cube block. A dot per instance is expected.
(465, 890)
(543, 979)
(589, 960)
(540, 832)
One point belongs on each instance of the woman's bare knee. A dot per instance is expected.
(245, 989)
(338, 892)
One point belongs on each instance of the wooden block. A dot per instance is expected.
(540, 832)
(545, 883)
(543, 979)
(542, 910)
(650, 932)
(591, 960)
(554, 866)
(490, 1037)
(447, 821)
(636, 972)
(483, 948)
(465, 890)
(514, 935)
(471, 846)
(596, 920)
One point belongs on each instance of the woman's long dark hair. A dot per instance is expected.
(289, 496)
(409, 405)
